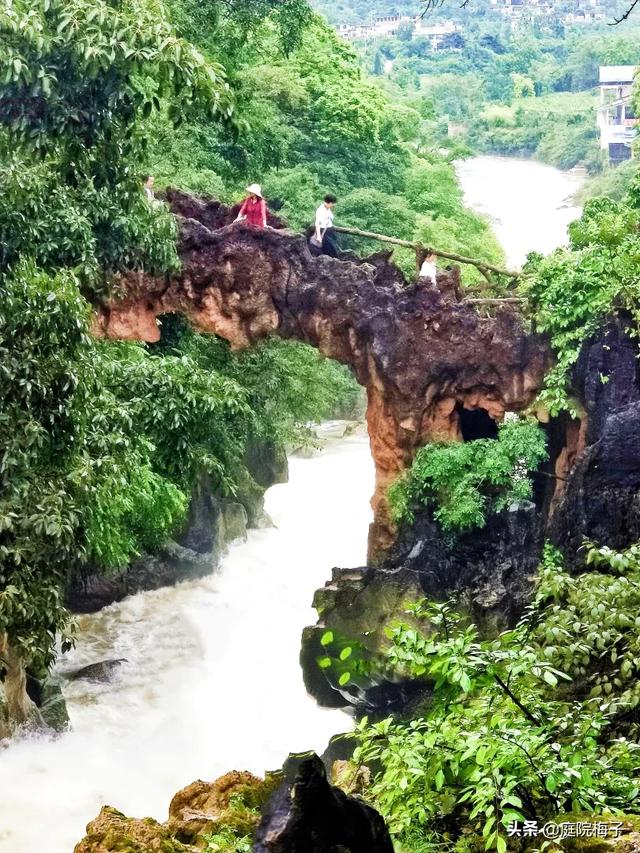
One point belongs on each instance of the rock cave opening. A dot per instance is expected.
(476, 423)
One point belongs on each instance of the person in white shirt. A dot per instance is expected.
(148, 188)
(428, 268)
(325, 235)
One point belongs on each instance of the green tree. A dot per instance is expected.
(77, 485)
(498, 742)
(78, 79)
(76, 481)
(405, 31)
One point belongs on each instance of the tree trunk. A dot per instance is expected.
(20, 709)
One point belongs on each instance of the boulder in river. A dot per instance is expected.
(229, 807)
(100, 671)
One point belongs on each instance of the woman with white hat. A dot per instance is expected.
(254, 208)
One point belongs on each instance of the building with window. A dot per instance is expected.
(617, 121)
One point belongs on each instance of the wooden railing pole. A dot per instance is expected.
(483, 266)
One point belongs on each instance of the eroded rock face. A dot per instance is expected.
(600, 500)
(301, 813)
(232, 803)
(489, 571)
(416, 349)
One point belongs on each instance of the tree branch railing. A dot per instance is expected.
(483, 266)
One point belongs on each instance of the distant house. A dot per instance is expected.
(617, 121)
(438, 34)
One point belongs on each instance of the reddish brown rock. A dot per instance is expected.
(420, 353)
(113, 832)
(232, 803)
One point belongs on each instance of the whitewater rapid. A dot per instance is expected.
(212, 680)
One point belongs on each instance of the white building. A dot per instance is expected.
(616, 118)
(389, 26)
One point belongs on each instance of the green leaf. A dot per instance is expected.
(327, 638)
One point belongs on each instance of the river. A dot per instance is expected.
(212, 680)
(528, 203)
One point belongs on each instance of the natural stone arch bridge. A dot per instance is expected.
(421, 353)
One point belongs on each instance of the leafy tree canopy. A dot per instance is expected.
(508, 734)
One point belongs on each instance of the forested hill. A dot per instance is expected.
(523, 83)
(365, 11)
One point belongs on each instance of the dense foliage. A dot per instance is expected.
(463, 481)
(78, 79)
(524, 90)
(572, 290)
(77, 480)
(507, 735)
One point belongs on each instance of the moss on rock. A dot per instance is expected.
(230, 805)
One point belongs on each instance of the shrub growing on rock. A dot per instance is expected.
(462, 482)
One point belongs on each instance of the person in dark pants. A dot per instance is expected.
(325, 235)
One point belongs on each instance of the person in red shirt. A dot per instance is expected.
(254, 208)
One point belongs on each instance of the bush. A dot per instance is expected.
(462, 482)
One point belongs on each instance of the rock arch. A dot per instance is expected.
(419, 350)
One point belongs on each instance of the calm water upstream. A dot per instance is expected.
(212, 681)
(529, 204)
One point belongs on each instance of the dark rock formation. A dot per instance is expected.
(268, 463)
(489, 571)
(170, 565)
(102, 670)
(420, 352)
(600, 500)
(302, 812)
(308, 815)
(46, 692)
